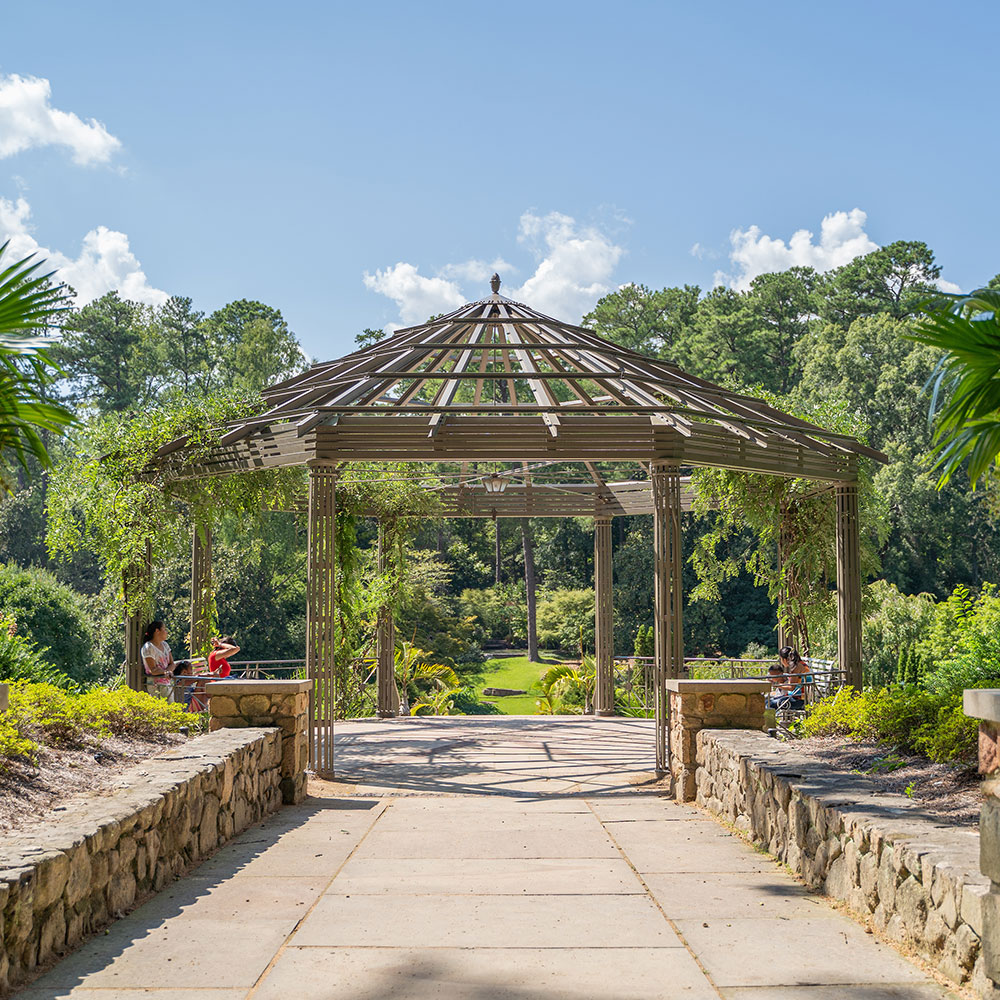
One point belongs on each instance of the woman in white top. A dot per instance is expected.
(158, 661)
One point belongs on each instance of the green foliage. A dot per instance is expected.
(28, 303)
(45, 715)
(500, 612)
(565, 689)
(962, 648)
(51, 615)
(645, 641)
(565, 618)
(908, 718)
(768, 510)
(21, 660)
(113, 500)
(967, 427)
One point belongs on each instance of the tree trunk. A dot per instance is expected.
(496, 551)
(529, 586)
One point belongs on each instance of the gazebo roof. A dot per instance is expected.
(498, 381)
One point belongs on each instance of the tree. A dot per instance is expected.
(28, 303)
(250, 346)
(651, 322)
(185, 350)
(109, 354)
(967, 426)
(894, 279)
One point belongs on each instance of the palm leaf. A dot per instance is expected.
(27, 303)
(965, 401)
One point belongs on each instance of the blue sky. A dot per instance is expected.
(284, 153)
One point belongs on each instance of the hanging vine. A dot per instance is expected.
(788, 532)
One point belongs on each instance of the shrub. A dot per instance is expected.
(47, 715)
(51, 615)
(563, 616)
(910, 718)
(20, 660)
(645, 641)
(500, 612)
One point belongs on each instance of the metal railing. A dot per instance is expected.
(633, 676)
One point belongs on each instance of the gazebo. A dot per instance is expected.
(510, 396)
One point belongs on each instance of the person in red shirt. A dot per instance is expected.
(218, 664)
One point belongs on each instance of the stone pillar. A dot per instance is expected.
(698, 705)
(604, 645)
(984, 704)
(848, 584)
(385, 670)
(668, 599)
(262, 704)
(321, 610)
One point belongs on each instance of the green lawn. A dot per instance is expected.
(516, 672)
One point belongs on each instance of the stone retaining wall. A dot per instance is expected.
(913, 877)
(70, 876)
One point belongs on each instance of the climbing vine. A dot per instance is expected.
(783, 532)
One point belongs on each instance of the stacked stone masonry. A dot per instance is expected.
(708, 704)
(914, 878)
(237, 704)
(71, 876)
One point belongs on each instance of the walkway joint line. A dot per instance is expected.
(287, 942)
(649, 893)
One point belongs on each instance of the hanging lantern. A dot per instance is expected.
(496, 483)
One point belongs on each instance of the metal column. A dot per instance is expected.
(201, 589)
(388, 697)
(320, 613)
(667, 594)
(604, 647)
(849, 584)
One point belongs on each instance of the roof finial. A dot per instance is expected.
(495, 283)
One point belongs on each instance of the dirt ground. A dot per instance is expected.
(945, 790)
(28, 793)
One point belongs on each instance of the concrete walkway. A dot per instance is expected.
(473, 859)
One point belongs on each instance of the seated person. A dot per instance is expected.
(157, 661)
(789, 677)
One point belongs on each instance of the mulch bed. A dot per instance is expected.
(28, 794)
(948, 791)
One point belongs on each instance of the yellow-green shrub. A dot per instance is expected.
(44, 715)
(910, 718)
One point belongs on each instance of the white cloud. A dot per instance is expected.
(27, 120)
(106, 262)
(573, 267)
(703, 252)
(477, 272)
(417, 296)
(842, 238)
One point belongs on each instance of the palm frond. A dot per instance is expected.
(965, 401)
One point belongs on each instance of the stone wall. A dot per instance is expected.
(237, 704)
(909, 875)
(708, 704)
(72, 875)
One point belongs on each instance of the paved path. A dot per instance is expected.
(473, 859)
